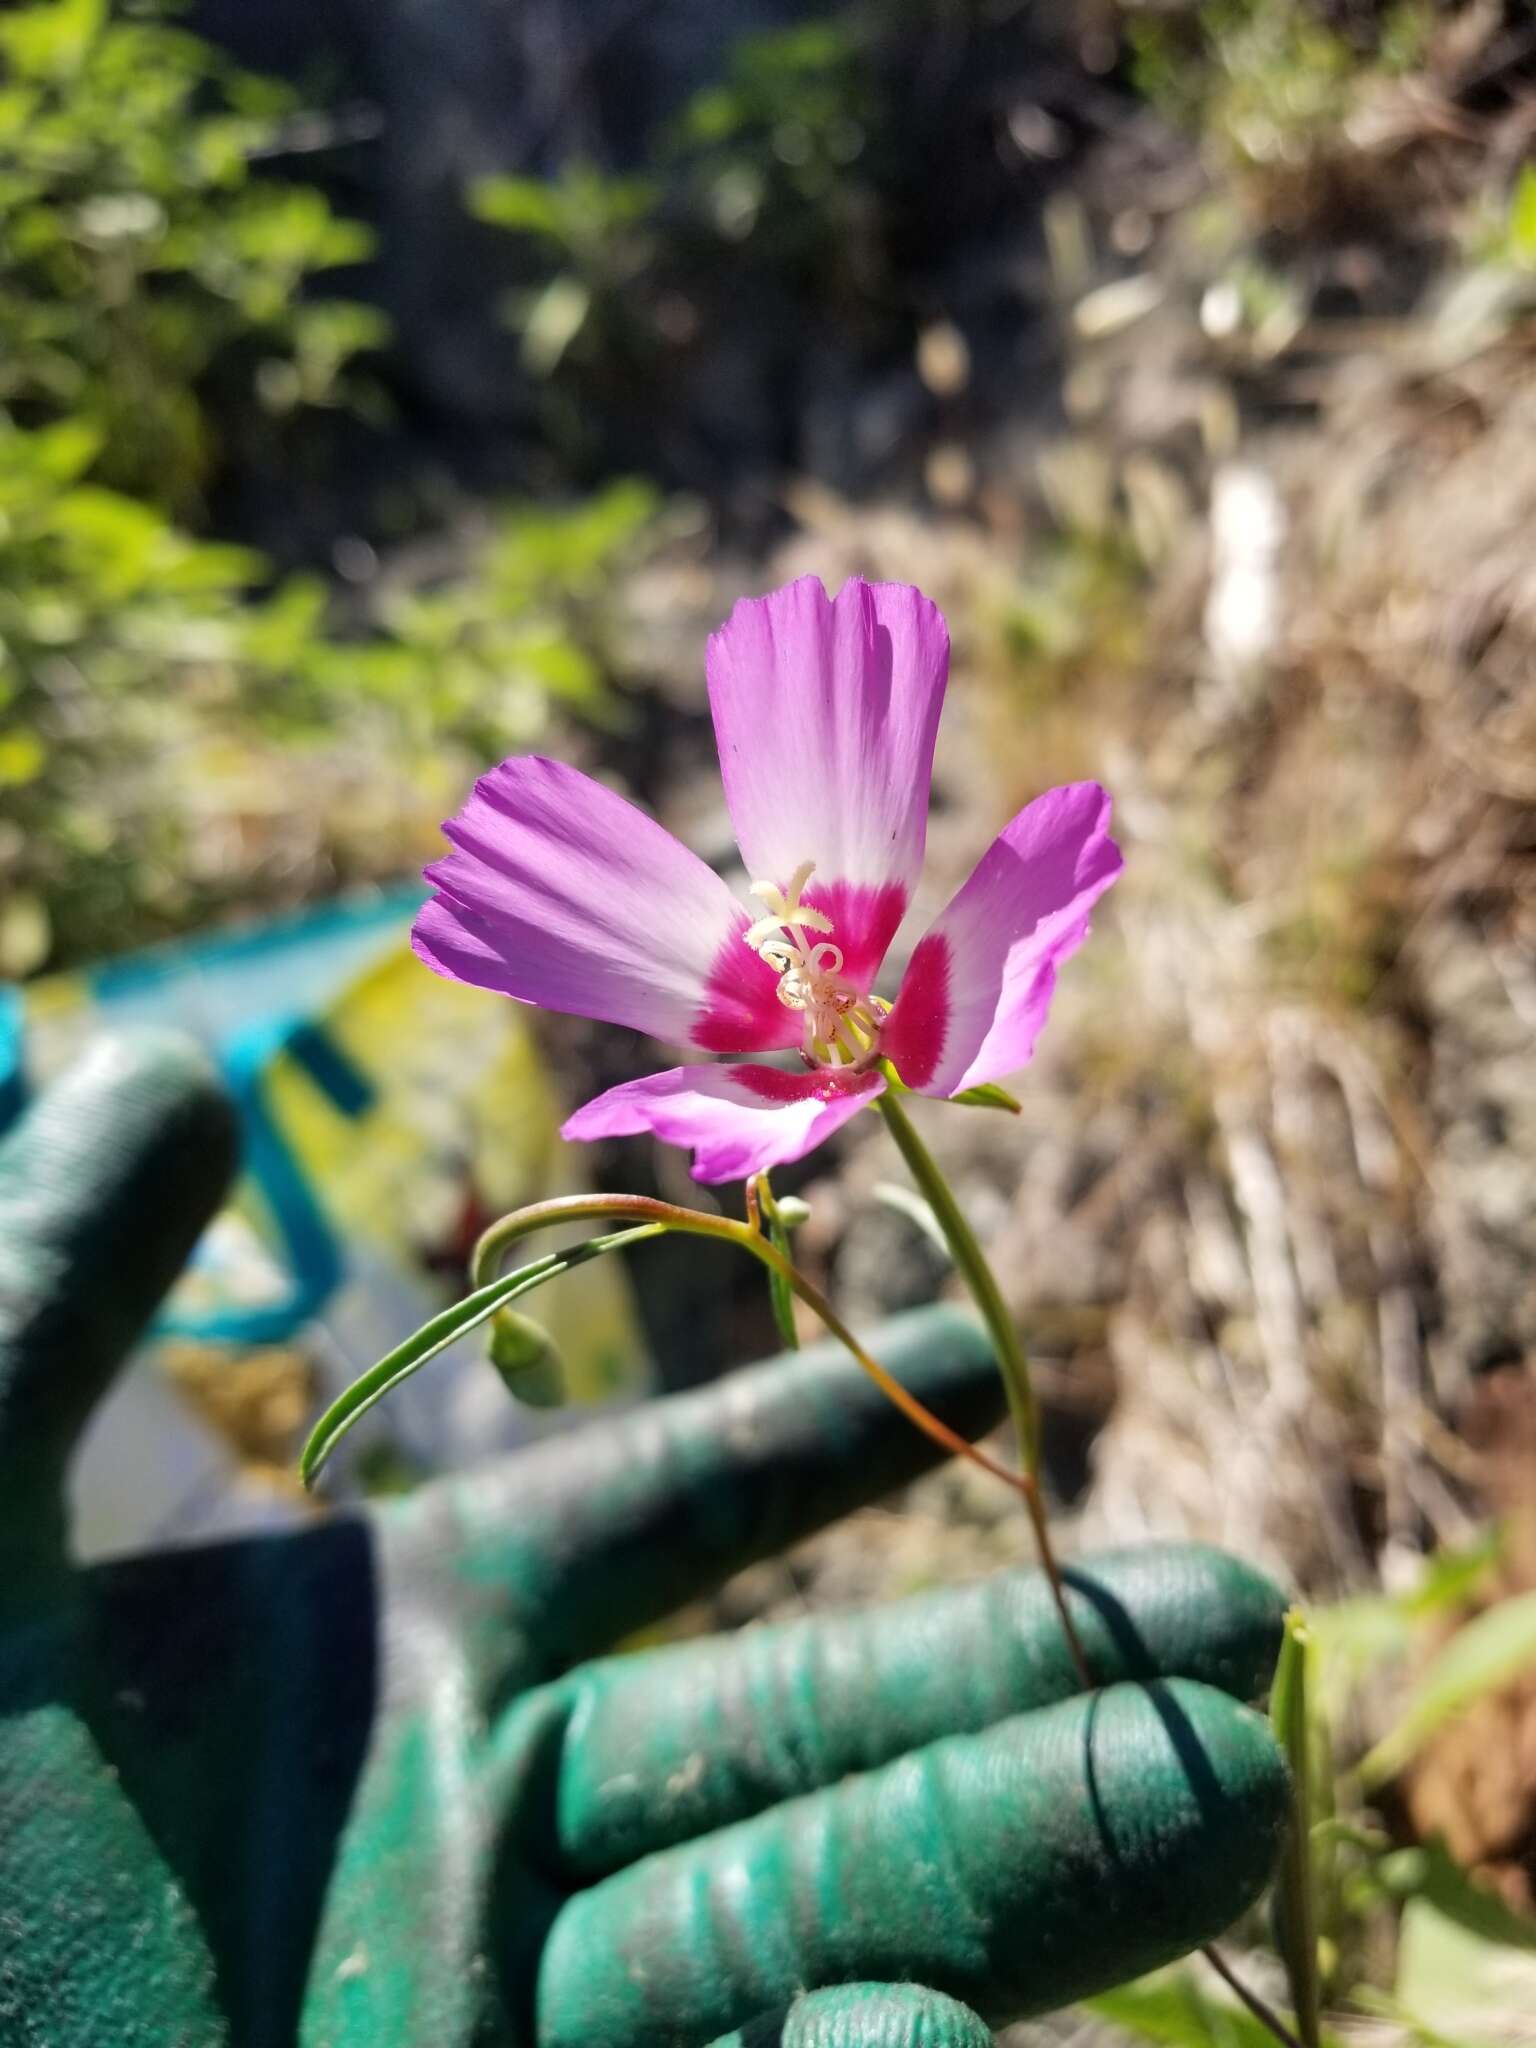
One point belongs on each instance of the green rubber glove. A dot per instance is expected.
(356, 1787)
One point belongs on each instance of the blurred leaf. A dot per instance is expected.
(527, 206)
(115, 538)
(1356, 1634)
(202, 568)
(291, 230)
(1431, 1873)
(1451, 1576)
(552, 323)
(23, 933)
(560, 667)
(62, 452)
(52, 41)
(1173, 2008)
(575, 212)
(280, 632)
(1457, 1985)
(988, 1096)
(22, 758)
(1522, 217)
(1482, 1656)
(330, 331)
(571, 546)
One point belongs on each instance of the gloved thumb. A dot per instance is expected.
(105, 1186)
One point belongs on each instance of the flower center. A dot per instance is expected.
(842, 1026)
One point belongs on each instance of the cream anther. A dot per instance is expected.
(840, 1027)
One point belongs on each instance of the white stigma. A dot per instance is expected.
(841, 1026)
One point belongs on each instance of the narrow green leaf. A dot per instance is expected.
(1296, 1906)
(1479, 1658)
(988, 1096)
(780, 1293)
(435, 1336)
(778, 1220)
(398, 1365)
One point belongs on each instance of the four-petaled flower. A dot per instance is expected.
(561, 894)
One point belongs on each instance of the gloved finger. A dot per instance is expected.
(601, 1532)
(865, 2016)
(1052, 1856)
(671, 1744)
(105, 1186)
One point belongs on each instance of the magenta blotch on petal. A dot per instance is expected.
(738, 1120)
(741, 1010)
(864, 921)
(979, 983)
(558, 892)
(914, 1036)
(825, 714)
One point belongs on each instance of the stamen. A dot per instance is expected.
(841, 1029)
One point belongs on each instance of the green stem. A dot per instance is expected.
(1291, 1717)
(1012, 1363)
(978, 1276)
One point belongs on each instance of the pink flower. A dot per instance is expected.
(557, 892)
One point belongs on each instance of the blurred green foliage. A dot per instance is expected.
(770, 153)
(1269, 84)
(154, 289)
(581, 313)
(527, 623)
(763, 175)
(142, 255)
(100, 596)
(129, 651)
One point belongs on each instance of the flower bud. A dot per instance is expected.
(526, 1360)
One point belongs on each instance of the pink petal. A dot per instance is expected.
(978, 985)
(558, 892)
(739, 1120)
(825, 713)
